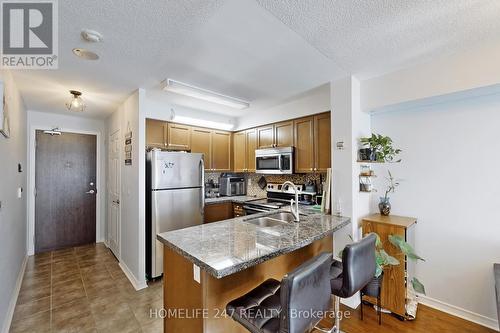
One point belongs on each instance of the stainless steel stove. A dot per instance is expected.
(276, 199)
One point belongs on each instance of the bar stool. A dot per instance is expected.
(351, 275)
(294, 305)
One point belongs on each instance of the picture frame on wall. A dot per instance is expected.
(4, 114)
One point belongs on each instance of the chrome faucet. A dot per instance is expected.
(295, 212)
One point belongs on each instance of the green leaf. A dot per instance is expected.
(404, 247)
(418, 286)
(378, 271)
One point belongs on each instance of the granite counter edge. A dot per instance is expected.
(253, 262)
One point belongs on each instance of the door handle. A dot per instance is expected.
(90, 192)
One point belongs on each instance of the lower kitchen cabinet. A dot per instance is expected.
(238, 210)
(218, 212)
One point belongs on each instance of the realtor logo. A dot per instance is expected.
(29, 34)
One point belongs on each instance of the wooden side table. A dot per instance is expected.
(396, 278)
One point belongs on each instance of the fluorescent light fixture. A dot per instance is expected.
(203, 94)
(202, 122)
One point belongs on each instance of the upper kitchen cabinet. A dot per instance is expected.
(322, 142)
(275, 135)
(244, 145)
(221, 151)
(312, 143)
(251, 143)
(265, 137)
(304, 144)
(201, 142)
(283, 134)
(240, 151)
(156, 133)
(179, 136)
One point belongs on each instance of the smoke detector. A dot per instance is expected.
(91, 36)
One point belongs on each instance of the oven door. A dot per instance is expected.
(249, 210)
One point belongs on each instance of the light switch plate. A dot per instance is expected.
(196, 273)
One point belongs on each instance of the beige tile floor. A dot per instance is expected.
(83, 289)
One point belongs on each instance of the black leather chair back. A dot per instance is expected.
(358, 266)
(304, 293)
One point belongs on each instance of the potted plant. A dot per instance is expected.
(384, 205)
(383, 260)
(379, 149)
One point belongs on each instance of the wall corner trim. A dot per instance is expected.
(459, 312)
(15, 295)
(138, 285)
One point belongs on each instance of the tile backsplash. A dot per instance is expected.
(253, 179)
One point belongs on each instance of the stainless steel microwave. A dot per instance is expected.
(274, 161)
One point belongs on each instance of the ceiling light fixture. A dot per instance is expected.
(200, 122)
(204, 94)
(85, 54)
(76, 103)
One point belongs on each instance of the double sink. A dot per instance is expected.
(272, 220)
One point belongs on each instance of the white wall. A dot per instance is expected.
(132, 201)
(348, 124)
(478, 67)
(13, 210)
(315, 101)
(450, 183)
(67, 123)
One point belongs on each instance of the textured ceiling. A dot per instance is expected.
(233, 47)
(369, 38)
(264, 51)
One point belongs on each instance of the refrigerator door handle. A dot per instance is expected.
(202, 173)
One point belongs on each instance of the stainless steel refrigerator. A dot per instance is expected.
(174, 199)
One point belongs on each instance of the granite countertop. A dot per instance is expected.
(226, 247)
(237, 199)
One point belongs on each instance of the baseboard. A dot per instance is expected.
(13, 299)
(138, 285)
(459, 312)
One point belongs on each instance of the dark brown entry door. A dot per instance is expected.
(65, 204)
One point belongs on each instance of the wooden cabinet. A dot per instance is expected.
(221, 151)
(265, 136)
(244, 145)
(238, 210)
(304, 145)
(322, 142)
(275, 135)
(283, 134)
(201, 142)
(218, 212)
(240, 151)
(179, 136)
(156, 133)
(393, 295)
(312, 141)
(251, 143)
